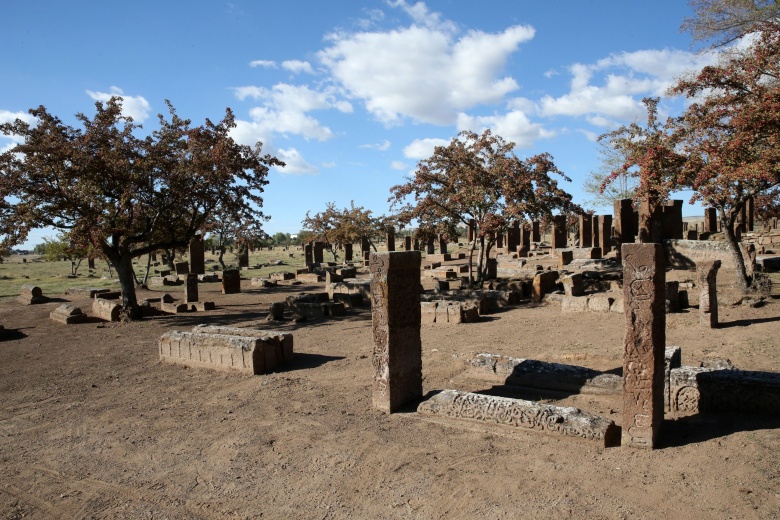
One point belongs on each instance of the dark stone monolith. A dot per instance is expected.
(197, 255)
(707, 273)
(586, 230)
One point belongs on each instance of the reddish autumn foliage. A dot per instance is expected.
(478, 177)
(121, 194)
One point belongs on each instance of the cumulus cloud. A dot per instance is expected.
(294, 162)
(383, 146)
(136, 107)
(427, 72)
(514, 126)
(297, 66)
(612, 87)
(285, 108)
(423, 148)
(399, 165)
(266, 64)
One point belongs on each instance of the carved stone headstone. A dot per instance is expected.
(182, 267)
(673, 219)
(390, 237)
(318, 252)
(644, 344)
(536, 236)
(307, 254)
(596, 231)
(558, 232)
(231, 281)
(442, 245)
(707, 273)
(710, 220)
(347, 252)
(624, 221)
(197, 255)
(650, 223)
(243, 256)
(396, 318)
(191, 288)
(407, 243)
(513, 237)
(605, 234)
(429, 247)
(586, 230)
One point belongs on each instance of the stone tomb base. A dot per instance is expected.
(248, 351)
(529, 415)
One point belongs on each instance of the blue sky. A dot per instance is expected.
(351, 94)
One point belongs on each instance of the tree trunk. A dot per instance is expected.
(480, 277)
(124, 270)
(471, 263)
(148, 267)
(488, 247)
(727, 227)
(221, 255)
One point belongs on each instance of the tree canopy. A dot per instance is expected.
(724, 21)
(479, 177)
(343, 226)
(124, 195)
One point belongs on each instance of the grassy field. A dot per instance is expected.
(54, 278)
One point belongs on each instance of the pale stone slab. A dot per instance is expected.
(529, 415)
(67, 314)
(281, 342)
(106, 309)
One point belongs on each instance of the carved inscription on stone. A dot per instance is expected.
(644, 343)
(519, 413)
(395, 315)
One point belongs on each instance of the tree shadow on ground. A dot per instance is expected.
(12, 334)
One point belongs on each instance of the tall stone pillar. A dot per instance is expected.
(429, 247)
(197, 255)
(191, 288)
(365, 245)
(91, 263)
(499, 240)
(513, 237)
(596, 230)
(243, 256)
(707, 273)
(472, 229)
(650, 223)
(525, 238)
(407, 243)
(625, 221)
(395, 321)
(318, 252)
(586, 230)
(347, 252)
(605, 234)
(390, 238)
(442, 245)
(307, 254)
(710, 220)
(231, 281)
(558, 232)
(417, 244)
(536, 236)
(644, 294)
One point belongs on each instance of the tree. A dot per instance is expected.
(57, 249)
(124, 195)
(728, 20)
(343, 226)
(478, 177)
(239, 229)
(622, 187)
(652, 157)
(730, 134)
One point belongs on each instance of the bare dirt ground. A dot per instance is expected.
(92, 425)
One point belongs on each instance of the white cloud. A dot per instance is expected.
(426, 72)
(399, 165)
(285, 107)
(383, 146)
(612, 87)
(423, 148)
(294, 162)
(591, 136)
(266, 64)
(297, 66)
(9, 117)
(513, 126)
(136, 107)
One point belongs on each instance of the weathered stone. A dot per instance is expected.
(707, 273)
(565, 257)
(31, 295)
(208, 278)
(318, 249)
(67, 314)
(710, 220)
(625, 221)
(282, 275)
(536, 235)
(407, 243)
(201, 306)
(605, 233)
(571, 304)
(174, 308)
(600, 303)
(243, 256)
(86, 292)
(231, 281)
(672, 296)
(390, 238)
(645, 341)
(558, 232)
(543, 284)
(586, 230)
(672, 359)
(572, 285)
(280, 343)
(530, 415)
(673, 220)
(276, 311)
(699, 389)
(197, 255)
(106, 309)
(191, 288)
(181, 267)
(307, 254)
(395, 315)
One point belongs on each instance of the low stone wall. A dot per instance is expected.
(442, 312)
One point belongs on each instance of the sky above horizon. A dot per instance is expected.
(352, 94)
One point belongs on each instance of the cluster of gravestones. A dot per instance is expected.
(648, 385)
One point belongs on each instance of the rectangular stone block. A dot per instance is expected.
(543, 284)
(281, 342)
(197, 255)
(528, 415)
(67, 314)
(31, 295)
(231, 281)
(395, 317)
(645, 340)
(86, 292)
(586, 230)
(106, 309)
(699, 389)
(707, 273)
(216, 351)
(182, 267)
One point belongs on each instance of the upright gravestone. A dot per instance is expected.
(390, 239)
(624, 221)
(586, 230)
(499, 240)
(710, 220)
(318, 252)
(472, 229)
(231, 281)
(605, 234)
(407, 243)
(182, 267)
(347, 252)
(644, 344)
(307, 254)
(536, 235)
(596, 230)
(365, 245)
(513, 237)
(90, 263)
(197, 255)
(650, 223)
(558, 232)
(525, 238)
(243, 256)
(673, 219)
(416, 244)
(707, 273)
(442, 245)
(395, 319)
(429, 247)
(191, 288)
